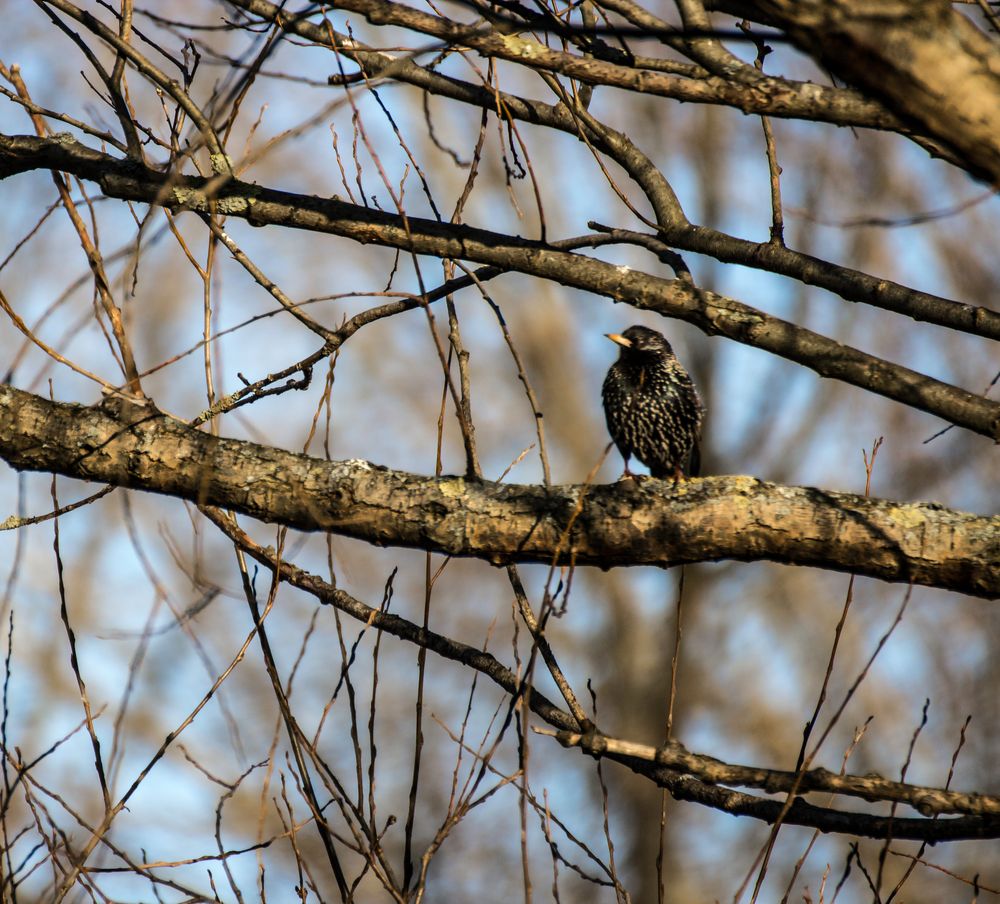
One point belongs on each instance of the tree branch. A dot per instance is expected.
(928, 801)
(739, 518)
(686, 776)
(924, 61)
(714, 314)
(851, 285)
(783, 98)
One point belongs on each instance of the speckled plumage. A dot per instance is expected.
(651, 406)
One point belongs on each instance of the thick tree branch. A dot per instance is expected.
(621, 524)
(922, 59)
(712, 313)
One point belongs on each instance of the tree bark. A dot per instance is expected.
(926, 62)
(648, 523)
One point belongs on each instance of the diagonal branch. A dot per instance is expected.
(850, 284)
(925, 61)
(927, 800)
(712, 313)
(770, 96)
(686, 776)
(621, 524)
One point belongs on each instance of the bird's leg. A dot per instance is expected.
(627, 474)
(679, 475)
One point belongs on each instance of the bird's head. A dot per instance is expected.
(641, 340)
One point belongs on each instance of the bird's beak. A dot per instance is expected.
(621, 340)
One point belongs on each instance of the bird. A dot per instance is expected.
(652, 407)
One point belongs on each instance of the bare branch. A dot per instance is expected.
(924, 61)
(712, 313)
(620, 524)
(928, 801)
(687, 776)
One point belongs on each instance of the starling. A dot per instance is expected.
(651, 406)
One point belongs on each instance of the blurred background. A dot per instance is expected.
(152, 589)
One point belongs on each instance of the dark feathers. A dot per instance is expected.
(651, 406)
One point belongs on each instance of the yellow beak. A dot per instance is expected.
(621, 340)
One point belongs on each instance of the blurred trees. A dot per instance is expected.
(346, 272)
